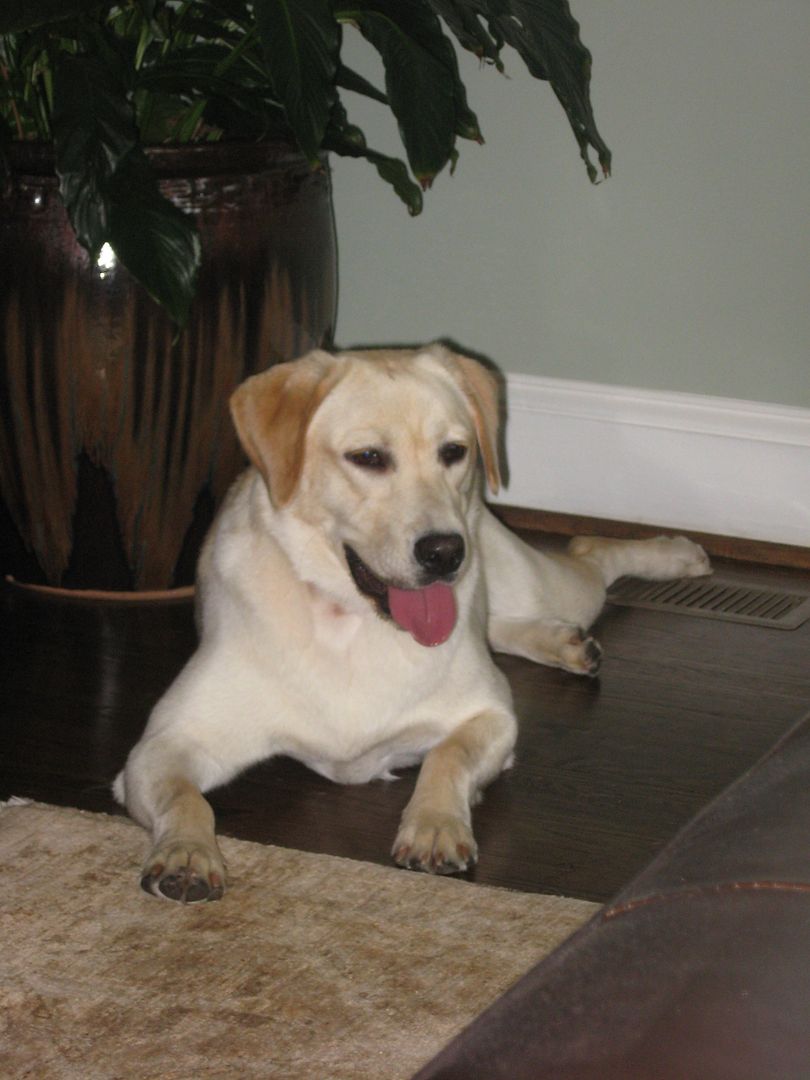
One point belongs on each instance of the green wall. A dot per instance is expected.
(688, 270)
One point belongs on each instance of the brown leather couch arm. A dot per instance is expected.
(699, 970)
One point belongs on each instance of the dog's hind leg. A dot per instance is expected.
(658, 559)
(435, 833)
(541, 604)
(568, 646)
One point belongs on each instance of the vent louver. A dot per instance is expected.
(713, 599)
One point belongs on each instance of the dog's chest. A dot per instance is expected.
(363, 698)
(366, 725)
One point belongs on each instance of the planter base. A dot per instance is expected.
(147, 596)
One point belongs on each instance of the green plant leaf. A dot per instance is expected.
(301, 42)
(419, 77)
(156, 241)
(469, 30)
(109, 189)
(158, 115)
(93, 130)
(466, 120)
(349, 80)
(247, 118)
(395, 173)
(194, 71)
(391, 170)
(546, 36)
(147, 7)
(16, 15)
(348, 140)
(237, 11)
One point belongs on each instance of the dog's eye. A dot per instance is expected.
(452, 452)
(369, 458)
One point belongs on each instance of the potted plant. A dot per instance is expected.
(128, 132)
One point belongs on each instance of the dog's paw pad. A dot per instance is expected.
(184, 886)
(184, 877)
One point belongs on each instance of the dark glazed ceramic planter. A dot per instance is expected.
(115, 440)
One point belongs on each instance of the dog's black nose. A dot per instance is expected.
(440, 553)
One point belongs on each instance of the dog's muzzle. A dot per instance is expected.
(428, 612)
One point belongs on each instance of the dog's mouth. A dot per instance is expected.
(428, 613)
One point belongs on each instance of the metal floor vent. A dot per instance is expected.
(713, 599)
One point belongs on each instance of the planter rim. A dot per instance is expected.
(36, 158)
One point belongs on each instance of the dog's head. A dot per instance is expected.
(378, 450)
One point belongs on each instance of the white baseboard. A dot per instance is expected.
(683, 461)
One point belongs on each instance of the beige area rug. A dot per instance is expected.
(311, 967)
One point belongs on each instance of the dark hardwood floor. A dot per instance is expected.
(607, 770)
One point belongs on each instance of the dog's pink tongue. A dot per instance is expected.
(428, 615)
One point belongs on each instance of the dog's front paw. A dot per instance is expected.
(187, 872)
(436, 844)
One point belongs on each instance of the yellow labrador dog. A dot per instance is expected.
(349, 594)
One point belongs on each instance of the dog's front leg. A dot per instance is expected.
(161, 791)
(435, 833)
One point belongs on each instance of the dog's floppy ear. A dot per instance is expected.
(272, 412)
(482, 391)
